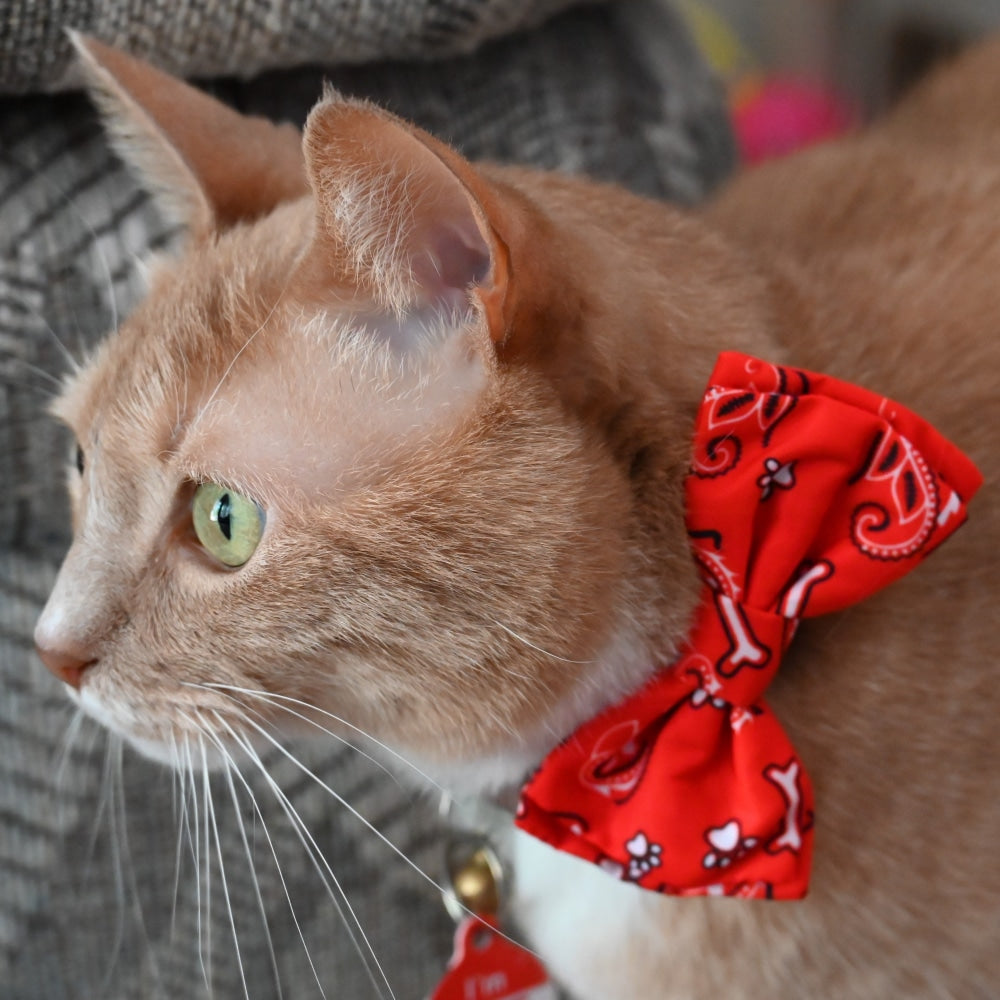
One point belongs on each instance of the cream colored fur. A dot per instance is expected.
(464, 397)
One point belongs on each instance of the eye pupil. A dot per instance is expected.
(221, 515)
(228, 525)
(79, 460)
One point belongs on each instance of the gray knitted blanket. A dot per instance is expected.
(243, 37)
(98, 894)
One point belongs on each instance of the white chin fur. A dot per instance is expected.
(563, 906)
(121, 721)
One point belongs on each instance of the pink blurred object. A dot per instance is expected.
(776, 115)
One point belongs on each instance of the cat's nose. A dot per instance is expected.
(69, 663)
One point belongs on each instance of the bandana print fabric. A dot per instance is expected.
(806, 494)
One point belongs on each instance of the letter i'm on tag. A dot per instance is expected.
(487, 966)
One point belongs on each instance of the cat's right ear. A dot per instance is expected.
(406, 218)
(209, 166)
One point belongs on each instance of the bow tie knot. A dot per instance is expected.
(806, 495)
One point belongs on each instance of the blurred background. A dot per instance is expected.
(802, 70)
(872, 49)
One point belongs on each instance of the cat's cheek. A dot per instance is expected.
(198, 572)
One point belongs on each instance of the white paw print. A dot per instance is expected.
(643, 856)
(728, 845)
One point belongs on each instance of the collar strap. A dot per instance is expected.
(806, 494)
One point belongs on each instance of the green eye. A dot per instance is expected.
(227, 524)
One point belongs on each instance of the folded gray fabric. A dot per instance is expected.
(90, 906)
(242, 37)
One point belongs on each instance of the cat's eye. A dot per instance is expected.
(227, 524)
(79, 460)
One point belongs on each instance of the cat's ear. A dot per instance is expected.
(208, 165)
(402, 214)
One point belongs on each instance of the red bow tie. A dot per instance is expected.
(806, 495)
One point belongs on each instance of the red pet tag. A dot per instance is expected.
(487, 966)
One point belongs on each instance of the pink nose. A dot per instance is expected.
(68, 664)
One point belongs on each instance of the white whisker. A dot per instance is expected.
(277, 863)
(113, 746)
(342, 801)
(129, 866)
(96, 244)
(207, 846)
(312, 722)
(40, 372)
(102, 801)
(313, 852)
(19, 383)
(354, 812)
(222, 867)
(181, 812)
(230, 767)
(69, 737)
(74, 365)
(275, 699)
(196, 827)
(253, 336)
(539, 649)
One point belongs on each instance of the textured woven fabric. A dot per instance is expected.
(243, 37)
(583, 93)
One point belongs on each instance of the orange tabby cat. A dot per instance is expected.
(398, 436)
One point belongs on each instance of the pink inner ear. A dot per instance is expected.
(454, 256)
(397, 206)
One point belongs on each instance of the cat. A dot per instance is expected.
(405, 439)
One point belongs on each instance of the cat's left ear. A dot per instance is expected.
(209, 166)
(401, 215)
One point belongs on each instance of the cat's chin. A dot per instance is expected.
(178, 753)
(166, 754)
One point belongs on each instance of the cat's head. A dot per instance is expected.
(394, 437)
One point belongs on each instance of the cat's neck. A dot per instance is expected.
(624, 664)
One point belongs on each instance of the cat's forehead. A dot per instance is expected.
(200, 311)
(335, 406)
(226, 373)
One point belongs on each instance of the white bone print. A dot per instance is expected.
(739, 717)
(777, 474)
(747, 649)
(709, 686)
(786, 779)
(797, 595)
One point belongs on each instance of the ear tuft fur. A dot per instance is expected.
(140, 143)
(209, 166)
(391, 212)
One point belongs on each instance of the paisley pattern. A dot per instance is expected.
(899, 521)
(806, 494)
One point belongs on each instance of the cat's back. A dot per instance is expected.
(884, 249)
(883, 254)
